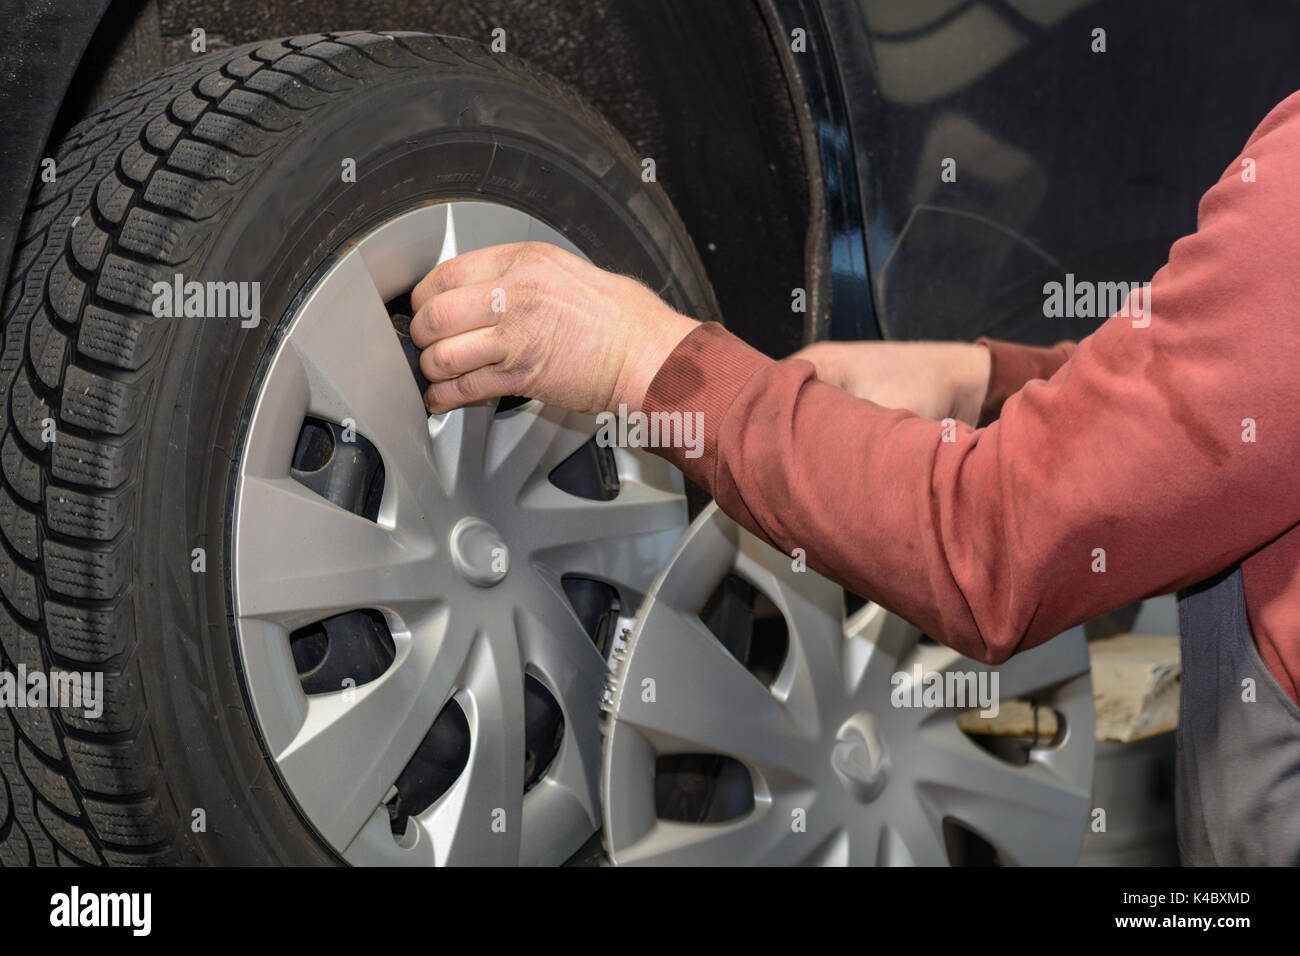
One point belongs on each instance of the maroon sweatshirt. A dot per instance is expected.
(1170, 448)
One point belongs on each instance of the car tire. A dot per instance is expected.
(121, 427)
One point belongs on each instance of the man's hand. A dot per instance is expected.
(935, 380)
(531, 319)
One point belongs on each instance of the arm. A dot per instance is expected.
(1132, 449)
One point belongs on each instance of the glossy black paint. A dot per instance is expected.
(1068, 160)
(838, 265)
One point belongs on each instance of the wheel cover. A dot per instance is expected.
(462, 628)
(874, 782)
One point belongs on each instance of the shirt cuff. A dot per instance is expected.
(1012, 366)
(702, 377)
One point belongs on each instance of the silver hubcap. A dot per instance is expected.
(839, 774)
(464, 560)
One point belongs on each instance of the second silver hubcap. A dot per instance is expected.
(840, 772)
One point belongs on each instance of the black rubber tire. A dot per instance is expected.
(224, 167)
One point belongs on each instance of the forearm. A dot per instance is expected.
(876, 498)
(1087, 494)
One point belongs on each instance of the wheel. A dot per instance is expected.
(748, 721)
(330, 627)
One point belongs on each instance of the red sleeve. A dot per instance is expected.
(1133, 450)
(1012, 366)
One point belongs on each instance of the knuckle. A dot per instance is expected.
(445, 358)
(465, 387)
(429, 368)
(438, 315)
(527, 294)
(430, 364)
(447, 355)
(422, 290)
(499, 337)
(418, 330)
(525, 257)
(533, 251)
(421, 329)
(521, 357)
(446, 276)
(429, 286)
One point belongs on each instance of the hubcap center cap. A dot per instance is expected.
(859, 757)
(478, 552)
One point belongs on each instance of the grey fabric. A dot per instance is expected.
(1238, 766)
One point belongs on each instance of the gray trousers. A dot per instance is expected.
(1238, 770)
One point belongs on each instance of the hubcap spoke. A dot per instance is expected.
(764, 836)
(558, 651)
(562, 801)
(358, 374)
(459, 444)
(478, 821)
(475, 225)
(816, 639)
(876, 641)
(912, 839)
(554, 645)
(623, 540)
(377, 726)
(308, 559)
(526, 443)
(966, 784)
(704, 701)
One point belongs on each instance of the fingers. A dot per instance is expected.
(472, 347)
(488, 265)
(468, 268)
(472, 387)
(458, 355)
(454, 312)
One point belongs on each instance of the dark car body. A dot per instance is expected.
(803, 141)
